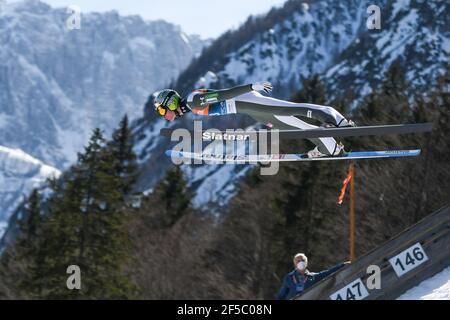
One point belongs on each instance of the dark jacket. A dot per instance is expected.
(294, 283)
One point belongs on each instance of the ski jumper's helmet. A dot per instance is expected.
(165, 100)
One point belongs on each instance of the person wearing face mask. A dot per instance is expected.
(297, 281)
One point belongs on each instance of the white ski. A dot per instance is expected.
(242, 159)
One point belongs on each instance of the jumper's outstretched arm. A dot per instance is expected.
(201, 100)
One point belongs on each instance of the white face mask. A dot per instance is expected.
(301, 265)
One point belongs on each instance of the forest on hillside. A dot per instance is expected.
(161, 247)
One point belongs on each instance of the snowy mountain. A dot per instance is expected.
(56, 84)
(331, 39)
(291, 44)
(19, 175)
(414, 33)
(306, 41)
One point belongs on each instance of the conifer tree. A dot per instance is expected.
(15, 260)
(32, 221)
(174, 195)
(124, 158)
(394, 94)
(86, 227)
(313, 91)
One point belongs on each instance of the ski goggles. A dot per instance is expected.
(171, 102)
(162, 111)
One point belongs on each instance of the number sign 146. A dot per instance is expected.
(408, 259)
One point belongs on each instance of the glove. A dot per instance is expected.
(184, 108)
(262, 86)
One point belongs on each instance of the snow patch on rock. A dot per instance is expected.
(20, 173)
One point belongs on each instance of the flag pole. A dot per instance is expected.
(352, 212)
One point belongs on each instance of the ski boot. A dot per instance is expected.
(344, 123)
(315, 153)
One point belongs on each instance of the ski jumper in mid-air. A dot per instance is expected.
(274, 113)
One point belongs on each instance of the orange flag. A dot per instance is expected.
(344, 187)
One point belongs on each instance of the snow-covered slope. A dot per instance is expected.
(331, 38)
(19, 174)
(434, 288)
(414, 33)
(304, 43)
(56, 84)
(302, 40)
